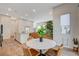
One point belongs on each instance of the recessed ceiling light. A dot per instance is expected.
(9, 9)
(26, 14)
(6, 14)
(50, 13)
(34, 10)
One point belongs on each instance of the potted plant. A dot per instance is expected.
(75, 41)
(41, 31)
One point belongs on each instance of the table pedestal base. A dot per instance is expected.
(41, 53)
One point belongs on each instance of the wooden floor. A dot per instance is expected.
(11, 48)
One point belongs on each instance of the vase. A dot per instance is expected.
(41, 39)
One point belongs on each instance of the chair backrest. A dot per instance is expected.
(30, 52)
(61, 46)
(26, 52)
(50, 52)
(34, 35)
(60, 50)
(55, 52)
(47, 36)
(34, 52)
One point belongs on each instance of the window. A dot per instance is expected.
(65, 23)
(24, 35)
(27, 30)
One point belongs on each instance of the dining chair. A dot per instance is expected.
(34, 52)
(47, 36)
(30, 52)
(34, 35)
(26, 52)
(57, 51)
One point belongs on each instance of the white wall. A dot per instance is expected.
(22, 24)
(9, 26)
(78, 23)
(13, 27)
(57, 12)
(42, 18)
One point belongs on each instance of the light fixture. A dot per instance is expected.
(9, 9)
(6, 14)
(50, 13)
(26, 14)
(34, 10)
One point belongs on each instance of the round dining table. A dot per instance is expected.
(45, 44)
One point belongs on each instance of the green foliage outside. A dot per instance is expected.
(49, 27)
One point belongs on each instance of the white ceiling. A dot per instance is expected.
(28, 11)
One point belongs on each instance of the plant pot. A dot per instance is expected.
(75, 48)
(75, 45)
(41, 39)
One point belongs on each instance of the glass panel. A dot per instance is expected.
(65, 23)
(27, 30)
(65, 19)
